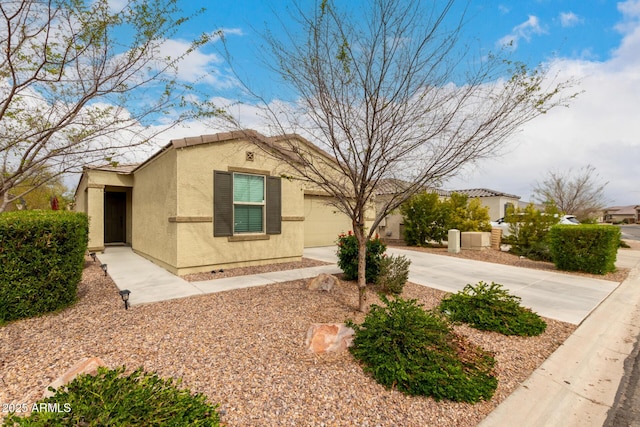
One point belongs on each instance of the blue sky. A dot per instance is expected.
(595, 41)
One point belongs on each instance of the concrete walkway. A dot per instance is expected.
(577, 385)
(150, 283)
(559, 296)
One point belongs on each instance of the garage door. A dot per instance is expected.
(322, 222)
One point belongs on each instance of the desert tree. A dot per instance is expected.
(392, 93)
(578, 192)
(81, 82)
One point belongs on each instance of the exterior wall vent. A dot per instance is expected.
(250, 156)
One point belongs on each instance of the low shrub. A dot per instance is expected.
(393, 274)
(405, 347)
(113, 399)
(348, 257)
(41, 261)
(492, 308)
(589, 248)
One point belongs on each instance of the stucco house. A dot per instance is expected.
(618, 214)
(392, 226)
(497, 202)
(209, 202)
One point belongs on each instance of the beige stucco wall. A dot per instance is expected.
(197, 248)
(89, 198)
(496, 205)
(154, 201)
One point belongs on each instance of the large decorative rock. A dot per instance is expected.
(86, 366)
(329, 337)
(323, 282)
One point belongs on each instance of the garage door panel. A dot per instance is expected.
(322, 222)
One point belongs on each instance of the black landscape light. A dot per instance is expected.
(93, 256)
(104, 268)
(124, 294)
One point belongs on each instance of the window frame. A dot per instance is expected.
(262, 204)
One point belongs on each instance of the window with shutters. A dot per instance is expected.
(246, 204)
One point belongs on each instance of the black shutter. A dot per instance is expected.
(222, 203)
(274, 205)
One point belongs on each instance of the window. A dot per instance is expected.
(246, 203)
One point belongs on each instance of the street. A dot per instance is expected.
(631, 232)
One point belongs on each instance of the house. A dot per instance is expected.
(209, 202)
(392, 226)
(619, 214)
(496, 201)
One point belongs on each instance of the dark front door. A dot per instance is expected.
(115, 207)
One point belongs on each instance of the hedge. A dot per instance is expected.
(588, 248)
(41, 261)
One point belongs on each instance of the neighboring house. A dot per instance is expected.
(209, 202)
(392, 226)
(496, 201)
(618, 214)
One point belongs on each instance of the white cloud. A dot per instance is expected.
(570, 19)
(600, 128)
(522, 31)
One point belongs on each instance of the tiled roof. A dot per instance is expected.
(484, 192)
(117, 169)
(621, 210)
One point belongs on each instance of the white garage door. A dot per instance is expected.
(322, 222)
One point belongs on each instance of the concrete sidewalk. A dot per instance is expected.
(149, 282)
(577, 384)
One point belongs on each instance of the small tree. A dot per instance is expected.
(467, 215)
(529, 228)
(68, 71)
(576, 192)
(387, 90)
(425, 219)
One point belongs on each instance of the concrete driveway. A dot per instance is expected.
(560, 296)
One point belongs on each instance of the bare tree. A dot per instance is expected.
(576, 192)
(67, 76)
(389, 90)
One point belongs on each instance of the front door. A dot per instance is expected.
(115, 208)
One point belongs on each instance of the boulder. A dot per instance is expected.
(329, 337)
(86, 366)
(323, 282)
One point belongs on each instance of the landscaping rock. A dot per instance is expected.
(329, 337)
(86, 366)
(323, 282)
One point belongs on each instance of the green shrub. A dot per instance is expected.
(529, 228)
(41, 261)
(492, 308)
(424, 218)
(427, 218)
(394, 273)
(112, 399)
(402, 346)
(348, 257)
(588, 248)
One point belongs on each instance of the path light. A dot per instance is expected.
(124, 294)
(93, 255)
(104, 268)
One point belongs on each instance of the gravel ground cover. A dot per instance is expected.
(245, 350)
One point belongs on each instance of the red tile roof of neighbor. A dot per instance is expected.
(622, 210)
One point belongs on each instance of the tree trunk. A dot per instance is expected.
(362, 268)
